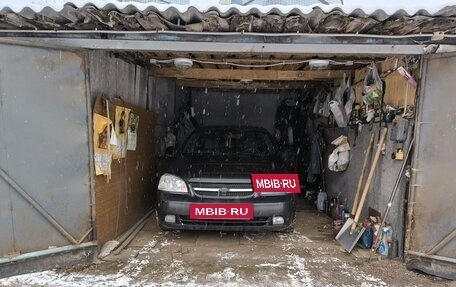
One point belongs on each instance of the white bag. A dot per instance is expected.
(340, 157)
(341, 108)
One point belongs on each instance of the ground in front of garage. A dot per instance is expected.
(308, 257)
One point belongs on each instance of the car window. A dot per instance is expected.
(229, 142)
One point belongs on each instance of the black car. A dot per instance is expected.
(213, 168)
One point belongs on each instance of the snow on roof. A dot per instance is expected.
(388, 7)
(389, 18)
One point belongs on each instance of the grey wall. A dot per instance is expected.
(162, 94)
(43, 147)
(343, 184)
(167, 100)
(214, 107)
(114, 77)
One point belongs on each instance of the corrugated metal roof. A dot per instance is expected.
(112, 15)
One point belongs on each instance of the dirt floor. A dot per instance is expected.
(308, 257)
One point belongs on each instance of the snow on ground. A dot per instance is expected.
(295, 267)
(245, 259)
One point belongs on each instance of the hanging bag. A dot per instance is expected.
(373, 86)
(341, 106)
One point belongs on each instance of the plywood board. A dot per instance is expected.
(126, 197)
(397, 93)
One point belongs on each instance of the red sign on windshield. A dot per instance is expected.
(288, 183)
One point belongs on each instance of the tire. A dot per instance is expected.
(162, 227)
(290, 228)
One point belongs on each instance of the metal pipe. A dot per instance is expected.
(436, 257)
(37, 206)
(223, 34)
(393, 194)
(35, 254)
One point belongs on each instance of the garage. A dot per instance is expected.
(114, 90)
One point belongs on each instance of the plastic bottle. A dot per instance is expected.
(335, 213)
(322, 196)
(383, 247)
(389, 236)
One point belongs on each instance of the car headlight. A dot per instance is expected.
(172, 183)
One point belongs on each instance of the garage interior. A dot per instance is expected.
(280, 97)
(287, 93)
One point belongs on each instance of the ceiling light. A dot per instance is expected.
(183, 63)
(318, 64)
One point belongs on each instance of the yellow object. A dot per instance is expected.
(399, 154)
(102, 155)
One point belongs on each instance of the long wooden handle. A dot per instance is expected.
(361, 177)
(369, 178)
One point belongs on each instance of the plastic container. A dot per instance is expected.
(335, 212)
(322, 197)
(383, 248)
(393, 253)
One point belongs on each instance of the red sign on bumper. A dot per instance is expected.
(288, 183)
(221, 211)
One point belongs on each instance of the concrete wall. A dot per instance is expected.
(214, 107)
(343, 184)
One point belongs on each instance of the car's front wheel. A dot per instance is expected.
(291, 226)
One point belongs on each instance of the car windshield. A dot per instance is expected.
(218, 142)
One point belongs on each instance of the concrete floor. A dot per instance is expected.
(308, 257)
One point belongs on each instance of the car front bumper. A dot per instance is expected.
(264, 209)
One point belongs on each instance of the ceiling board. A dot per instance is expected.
(237, 74)
(258, 85)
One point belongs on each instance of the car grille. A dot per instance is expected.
(222, 190)
(258, 221)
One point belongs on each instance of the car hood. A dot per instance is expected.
(220, 166)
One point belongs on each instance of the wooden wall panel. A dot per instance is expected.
(396, 92)
(129, 194)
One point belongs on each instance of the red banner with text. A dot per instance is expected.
(221, 211)
(288, 183)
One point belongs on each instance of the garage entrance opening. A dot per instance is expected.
(172, 111)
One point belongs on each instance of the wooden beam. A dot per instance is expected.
(237, 85)
(261, 75)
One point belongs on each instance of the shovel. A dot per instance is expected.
(350, 233)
